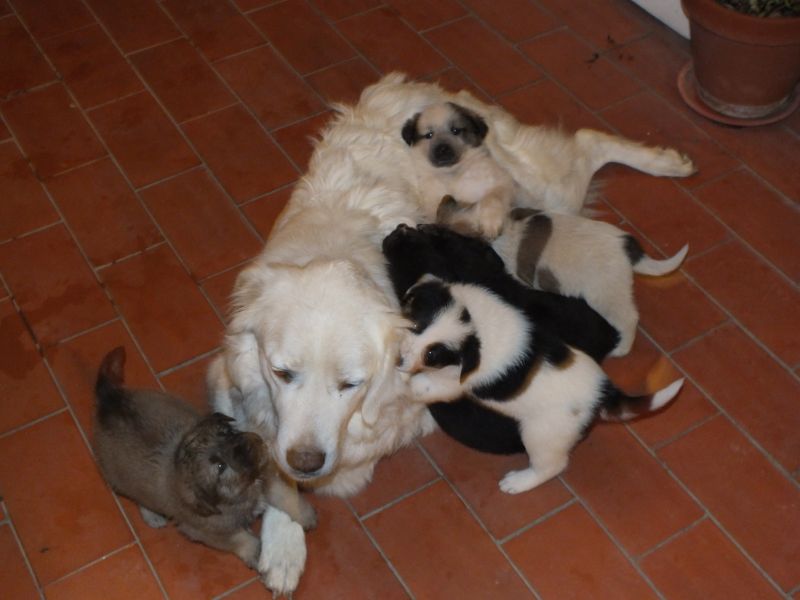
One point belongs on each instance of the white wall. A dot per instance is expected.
(669, 12)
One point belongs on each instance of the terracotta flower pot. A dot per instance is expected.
(744, 66)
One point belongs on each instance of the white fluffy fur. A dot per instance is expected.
(552, 408)
(318, 301)
(588, 259)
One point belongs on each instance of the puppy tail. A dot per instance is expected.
(618, 406)
(644, 265)
(110, 394)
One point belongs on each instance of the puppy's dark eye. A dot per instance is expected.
(428, 135)
(456, 130)
(221, 466)
(285, 375)
(439, 355)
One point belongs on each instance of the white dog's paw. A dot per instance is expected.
(675, 164)
(516, 482)
(283, 552)
(153, 519)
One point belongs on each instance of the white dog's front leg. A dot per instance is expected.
(436, 386)
(283, 552)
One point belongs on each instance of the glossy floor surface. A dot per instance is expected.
(145, 149)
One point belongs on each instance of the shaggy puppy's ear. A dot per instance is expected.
(477, 124)
(409, 131)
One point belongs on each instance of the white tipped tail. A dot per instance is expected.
(651, 266)
(664, 395)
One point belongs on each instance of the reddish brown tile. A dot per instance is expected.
(269, 87)
(644, 368)
(4, 132)
(754, 293)
(649, 119)
(547, 104)
(339, 9)
(734, 371)
(517, 20)
(91, 66)
(604, 24)
(424, 14)
(26, 385)
(663, 212)
(248, 5)
(298, 139)
(240, 153)
(46, 19)
(182, 80)
(25, 206)
(430, 536)
(673, 310)
(96, 195)
(188, 570)
(343, 82)
(488, 60)
(76, 361)
(21, 64)
(204, 226)
(391, 45)
(63, 512)
(399, 474)
(342, 562)
(453, 80)
(189, 383)
(760, 216)
(702, 564)
(751, 500)
(592, 78)
(770, 150)
(17, 581)
(143, 139)
(53, 285)
(304, 38)
(216, 28)
(122, 576)
(134, 25)
(628, 490)
(476, 476)
(219, 288)
(51, 130)
(569, 556)
(166, 312)
(263, 212)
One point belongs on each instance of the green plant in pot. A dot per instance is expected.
(745, 59)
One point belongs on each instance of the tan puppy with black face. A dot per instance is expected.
(449, 155)
(200, 472)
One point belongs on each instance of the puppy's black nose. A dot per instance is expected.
(305, 459)
(443, 155)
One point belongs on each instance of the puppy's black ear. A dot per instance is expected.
(409, 132)
(477, 124)
(470, 356)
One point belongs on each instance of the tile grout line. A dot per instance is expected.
(128, 257)
(674, 536)
(22, 236)
(481, 524)
(399, 499)
(93, 562)
(525, 528)
(239, 586)
(190, 361)
(9, 521)
(381, 552)
(708, 512)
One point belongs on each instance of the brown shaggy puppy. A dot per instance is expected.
(198, 471)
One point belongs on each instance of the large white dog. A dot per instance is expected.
(311, 349)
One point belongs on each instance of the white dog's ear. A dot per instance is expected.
(385, 381)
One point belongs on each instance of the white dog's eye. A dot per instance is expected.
(428, 135)
(456, 130)
(348, 385)
(285, 375)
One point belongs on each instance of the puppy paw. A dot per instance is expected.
(516, 482)
(153, 519)
(283, 552)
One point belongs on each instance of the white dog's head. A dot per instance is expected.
(328, 343)
(444, 133)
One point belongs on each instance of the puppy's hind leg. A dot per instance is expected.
(602, 148)
(153, 519)
(548, 453)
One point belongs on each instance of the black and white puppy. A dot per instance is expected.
(451, 159)
(467, 340)
(576, 256)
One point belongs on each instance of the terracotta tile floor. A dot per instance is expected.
(145, 150)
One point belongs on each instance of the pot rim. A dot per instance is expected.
(736, 26)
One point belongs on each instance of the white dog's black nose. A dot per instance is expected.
(305, 459)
